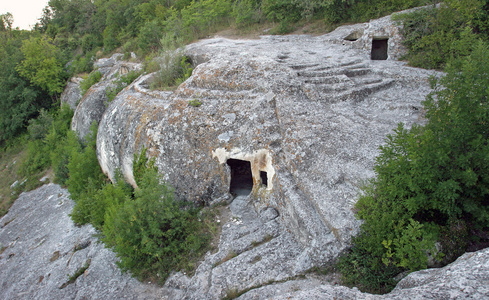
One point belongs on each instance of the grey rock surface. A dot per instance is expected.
(92, 105)
(72, 93)
(288, 129)
(305, 113)
(41, 248)
(466, 278)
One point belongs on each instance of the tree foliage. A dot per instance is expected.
(19, 100)
(436, 35)
(41, 64)
(429, 178)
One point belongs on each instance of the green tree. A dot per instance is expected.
(429, 178)
(41, 64)
(436, 35)
(19, 100)
(6, 21)
(153, 234)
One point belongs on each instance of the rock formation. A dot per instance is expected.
(284, 128)
(41, 248)
(93, 104)
(301, 117)
(72, 93)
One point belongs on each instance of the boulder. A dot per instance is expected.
(72, 93)
(93, 104)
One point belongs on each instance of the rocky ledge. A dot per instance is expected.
(41, 248)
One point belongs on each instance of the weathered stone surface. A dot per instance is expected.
(308, 112)
(41, 247)
(466, 278)
(72, 93)
(93, 104)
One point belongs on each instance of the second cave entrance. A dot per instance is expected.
(241, 177)
(379, 49)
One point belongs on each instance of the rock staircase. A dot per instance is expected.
(253, 252)
(351, 80)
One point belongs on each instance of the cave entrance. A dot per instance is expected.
(379, 49)
(264, 178)
(241, 177)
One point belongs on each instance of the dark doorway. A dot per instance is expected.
(264, 178)
(379, 49)
(241, 178)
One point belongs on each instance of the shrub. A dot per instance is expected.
(92, 79)
(175, 68)
(84, 170)
(60, 156)
(82, 64)
(434, 36)
(194, 103)
(92, 206)
(45, 134)
(247, 12)
(154, 234)
(120, 83)
(428, 180)
(38, 128)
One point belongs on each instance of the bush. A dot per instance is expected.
(92, 205)
(83, 167)
(92, 79)
(428, 180)
(121, 83)
(154, 234)
(434, 36)
(45, 134)
(82, 64)
(175, 68)
(61, 155)
(38, 128)
(247, 12)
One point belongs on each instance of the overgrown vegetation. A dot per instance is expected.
(435, 36)
(150, 231)
(72, 33)
(90, 80)
(174, 68)
(432, 183)
(121, 82)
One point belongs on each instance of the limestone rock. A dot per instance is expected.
(93, 104)
(72, 93)
(41, 247)
(287, 130)
(304, 115)
(466, 278)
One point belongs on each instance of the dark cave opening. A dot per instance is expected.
(264, 178)
(241, 177)
(379, 49)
